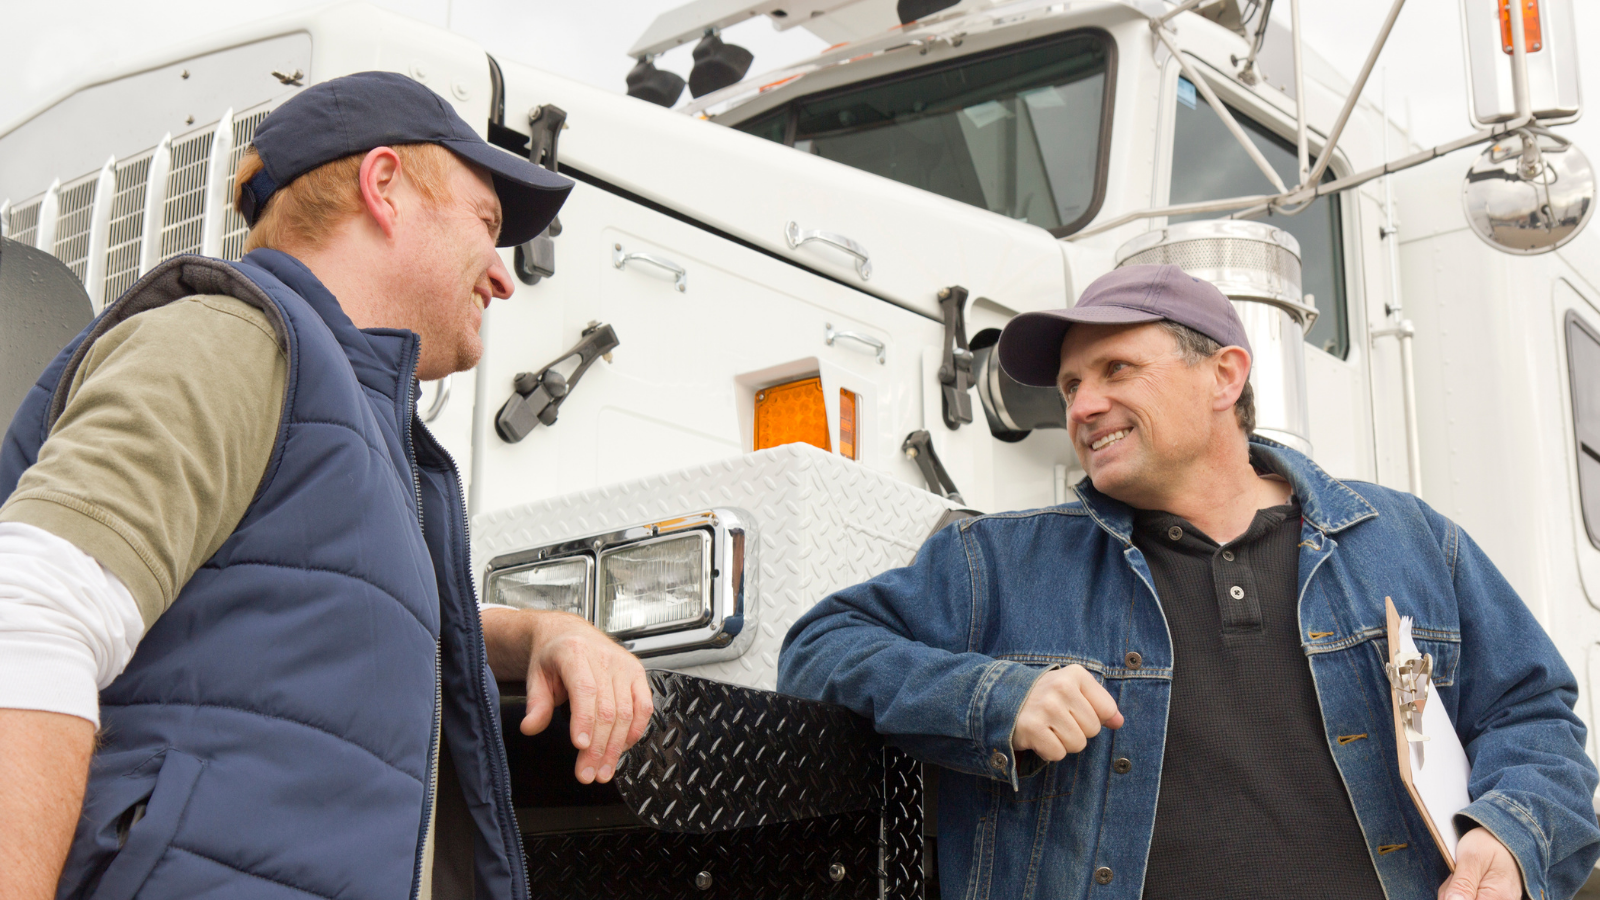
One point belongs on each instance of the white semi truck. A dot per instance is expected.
(751, 362)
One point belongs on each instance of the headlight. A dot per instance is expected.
(655, 586)
(562, 585)
(679, 591)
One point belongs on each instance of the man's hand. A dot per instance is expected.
(1063, 711)
(1485, 870)
(565, 659)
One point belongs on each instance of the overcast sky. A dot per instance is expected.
(54, 45)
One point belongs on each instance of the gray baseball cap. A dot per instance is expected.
(1030, 345)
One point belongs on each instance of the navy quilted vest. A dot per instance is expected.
(273, 735)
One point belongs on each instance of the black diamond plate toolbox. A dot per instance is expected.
(732, 792)
(719, 757)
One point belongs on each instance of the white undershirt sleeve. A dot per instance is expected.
(67, 625)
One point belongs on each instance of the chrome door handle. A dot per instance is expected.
(796, 236)
(439, 400)
(830, 335)
(619, 258)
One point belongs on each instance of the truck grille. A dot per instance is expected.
(167, 215)
(24, 224)
(125, 240)
(72, 225)
(234, 229)
(182, 216)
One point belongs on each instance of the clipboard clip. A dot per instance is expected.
(1411, 674)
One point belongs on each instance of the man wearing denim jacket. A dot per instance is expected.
(1215, 602)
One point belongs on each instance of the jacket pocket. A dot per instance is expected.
(1446, 654)
(148, 835)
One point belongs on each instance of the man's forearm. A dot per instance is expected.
(510, 635)
(44, 764)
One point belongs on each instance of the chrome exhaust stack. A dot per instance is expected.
(1258, 267)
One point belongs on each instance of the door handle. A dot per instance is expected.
(797, 236)
(830, 335)
(620, 258)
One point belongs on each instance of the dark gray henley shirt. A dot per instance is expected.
(1251, 804)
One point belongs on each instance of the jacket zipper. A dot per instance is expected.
(428, 774)
(509, 832)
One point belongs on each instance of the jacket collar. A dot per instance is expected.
(379, 356)
(1325, 502)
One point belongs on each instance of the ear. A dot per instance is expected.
(1231, 366)
(380, 181)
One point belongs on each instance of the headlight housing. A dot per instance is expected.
(680, 591)
(655, 586)
(564, 585)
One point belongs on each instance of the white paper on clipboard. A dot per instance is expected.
(1439, 767)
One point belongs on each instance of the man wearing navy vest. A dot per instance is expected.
(228, 542)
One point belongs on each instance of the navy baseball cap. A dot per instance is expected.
(356, 113)
(1030, 345)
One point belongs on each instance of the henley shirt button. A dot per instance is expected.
(1175, 532)
(1236, 592)
(1122, 766)
(1133, 660)
(1103, 875)
(1227, 555)
(997, 761)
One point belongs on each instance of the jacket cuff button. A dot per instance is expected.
(1103, 875)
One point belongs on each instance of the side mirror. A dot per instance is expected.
(1530, 192)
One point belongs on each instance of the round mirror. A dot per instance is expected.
(1529, 193)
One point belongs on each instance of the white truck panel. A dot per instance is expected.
(681, 387)
(918, 242)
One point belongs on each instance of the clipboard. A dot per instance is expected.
(1433, 764)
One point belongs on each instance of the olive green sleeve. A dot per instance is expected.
(167, 431)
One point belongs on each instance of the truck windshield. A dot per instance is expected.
(1017, 132)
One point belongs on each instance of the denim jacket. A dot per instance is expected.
(942, 653)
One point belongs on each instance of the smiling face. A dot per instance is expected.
(1144, 421)
(453, 271)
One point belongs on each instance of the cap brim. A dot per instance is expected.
(530, 195)
(1030, 345)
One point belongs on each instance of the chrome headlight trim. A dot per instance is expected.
(731, 626)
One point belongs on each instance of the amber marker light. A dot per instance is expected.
(849, 423)
(792, 413)
(1532, 40)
